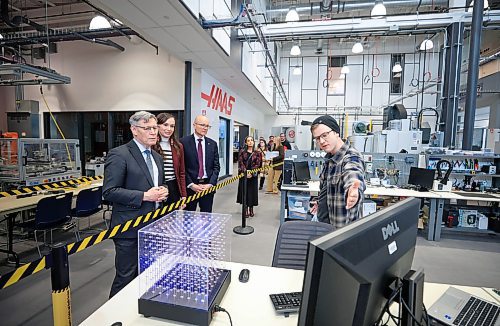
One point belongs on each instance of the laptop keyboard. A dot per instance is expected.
(477, 312)
(286, 302)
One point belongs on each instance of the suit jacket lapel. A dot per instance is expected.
(136, 153)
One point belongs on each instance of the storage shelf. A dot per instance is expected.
(476, 174)
(459, 229)
(467, 156)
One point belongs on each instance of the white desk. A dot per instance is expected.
(436, 199)
(248, 303)
(10, 206)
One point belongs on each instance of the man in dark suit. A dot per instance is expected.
(201, 157)
(133, 182)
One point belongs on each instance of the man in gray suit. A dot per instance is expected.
(133, 182)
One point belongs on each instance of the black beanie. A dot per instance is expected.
(327, 121)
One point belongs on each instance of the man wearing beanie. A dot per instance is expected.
(342, 180)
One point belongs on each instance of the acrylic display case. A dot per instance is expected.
(181, 266)
(32, 161)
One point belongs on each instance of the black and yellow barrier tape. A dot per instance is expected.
(39, 264)
(49, 186)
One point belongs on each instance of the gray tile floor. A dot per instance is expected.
(465, 261)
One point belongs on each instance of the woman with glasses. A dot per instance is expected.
(172, 152)
(248, 159)
(262, 148)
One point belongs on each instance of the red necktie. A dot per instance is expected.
(200, 159)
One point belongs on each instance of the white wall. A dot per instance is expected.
(307, 90)
(241, 110)
(105, 79)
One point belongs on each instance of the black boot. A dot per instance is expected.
(251, 211)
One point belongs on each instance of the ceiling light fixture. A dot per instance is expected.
(378, 11)
(345, 69)
(357, 47)
(292, 15)
(471, 6)
(397, 67)
(296, 71)
(426, 45)
(1, 36)
(99, 22)
(295, 50)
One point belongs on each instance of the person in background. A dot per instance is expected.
(248, 159)
(270, 144)
(285, 142)
(342, 182)
(201, 158)
(262, 148)
(133, 183)
(272, 182)
(172, 152)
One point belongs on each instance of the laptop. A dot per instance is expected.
(456, 307)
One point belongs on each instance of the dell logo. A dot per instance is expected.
(390, 229)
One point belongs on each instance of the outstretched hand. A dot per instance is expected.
(353, 194)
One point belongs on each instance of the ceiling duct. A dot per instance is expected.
(343, 9)
(319, 47)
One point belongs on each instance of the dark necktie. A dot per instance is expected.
(149, 163)
(200, 159)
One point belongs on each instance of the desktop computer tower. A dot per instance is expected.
(287, 171)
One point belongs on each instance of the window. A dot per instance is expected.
(397, 77)
(336, 82)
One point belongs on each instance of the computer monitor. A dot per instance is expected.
(422, 178)
(302, 173)
(349, 272)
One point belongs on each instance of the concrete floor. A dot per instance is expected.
(464, 261)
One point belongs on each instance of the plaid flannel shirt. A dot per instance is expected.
(339, 172)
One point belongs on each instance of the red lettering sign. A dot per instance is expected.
(219, 100)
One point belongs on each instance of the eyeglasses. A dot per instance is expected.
(155, 129)
(203, 125)
(323, 136)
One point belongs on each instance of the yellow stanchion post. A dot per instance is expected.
(61, 296)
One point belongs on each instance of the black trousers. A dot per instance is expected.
(206, 202)
(125, 263)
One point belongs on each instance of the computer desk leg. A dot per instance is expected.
(282, 208)
(432, 219)
(439, 217)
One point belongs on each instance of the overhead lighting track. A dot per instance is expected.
(17, 75)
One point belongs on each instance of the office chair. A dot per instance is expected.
(51, 213)
(290, 250)
(88, 202)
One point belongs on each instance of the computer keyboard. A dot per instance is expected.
(286, 302)
(477, 312)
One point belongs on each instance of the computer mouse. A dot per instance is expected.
(244, 275)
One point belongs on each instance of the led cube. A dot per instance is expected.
(181, 262)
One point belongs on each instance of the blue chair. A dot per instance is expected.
(290, 250)
(88, 202)
(51, 213)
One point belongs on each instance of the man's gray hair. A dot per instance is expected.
(140, 116)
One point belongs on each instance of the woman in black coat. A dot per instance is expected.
(248, 159)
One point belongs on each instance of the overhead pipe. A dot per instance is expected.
(319, 9)
(55, 36)
(472, 75)
(4, 10)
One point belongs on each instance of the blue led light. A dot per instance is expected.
(181, 255)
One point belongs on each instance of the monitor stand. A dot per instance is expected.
(422, 189)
